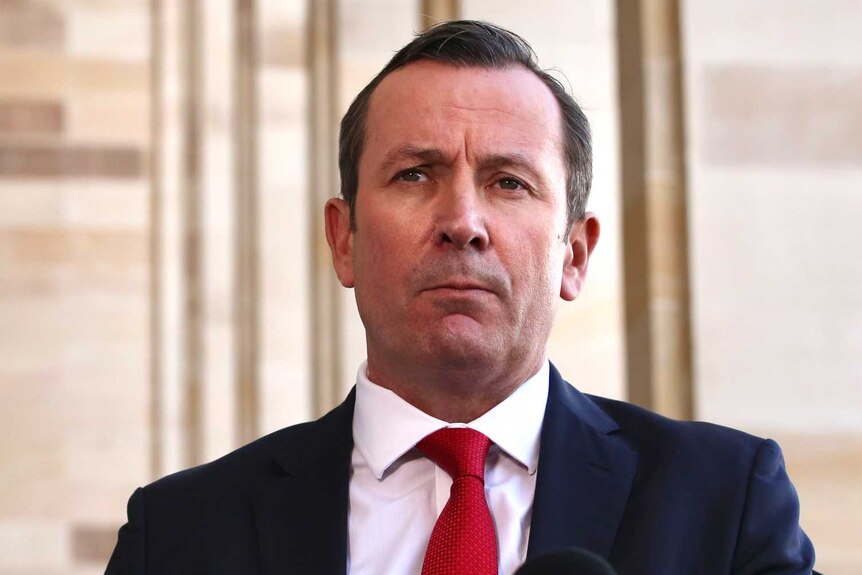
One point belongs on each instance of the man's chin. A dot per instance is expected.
(460, 342)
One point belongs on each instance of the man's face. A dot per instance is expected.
(460, 251)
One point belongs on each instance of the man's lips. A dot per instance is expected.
(460, 286)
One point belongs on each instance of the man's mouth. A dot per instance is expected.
(461, 287)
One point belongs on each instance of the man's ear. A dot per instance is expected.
(339, 236)
(582, 239)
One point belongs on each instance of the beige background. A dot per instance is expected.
(121, 322)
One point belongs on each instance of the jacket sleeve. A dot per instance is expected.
(770, 539)
(129, 557)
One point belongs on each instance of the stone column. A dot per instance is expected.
(434, 11)
(655, 234)
(326, 303)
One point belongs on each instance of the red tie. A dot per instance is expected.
(463, 540)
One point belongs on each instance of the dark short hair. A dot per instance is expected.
(464, 44)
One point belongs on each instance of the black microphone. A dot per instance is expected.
(570, 561)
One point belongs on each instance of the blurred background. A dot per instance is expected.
(165, 287)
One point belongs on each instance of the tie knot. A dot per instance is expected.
(459, 451)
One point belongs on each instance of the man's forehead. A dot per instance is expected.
(417, 104)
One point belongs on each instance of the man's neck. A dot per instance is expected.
(454, 395)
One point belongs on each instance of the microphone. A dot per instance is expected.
(571, 561)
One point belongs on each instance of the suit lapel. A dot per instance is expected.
(301, 515)
(584, 476)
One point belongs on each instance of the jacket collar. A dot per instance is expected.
(584, 477)
(301, 516)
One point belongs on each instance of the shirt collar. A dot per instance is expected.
(385, 427)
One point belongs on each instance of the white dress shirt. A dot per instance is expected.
(396, 494)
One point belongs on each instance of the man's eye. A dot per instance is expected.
(511, 184)
(411, 176)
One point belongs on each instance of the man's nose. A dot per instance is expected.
(461, 217)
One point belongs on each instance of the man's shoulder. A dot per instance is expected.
(645, 431)
(688, 470)
(690, 444)
(245, 466)
(257, 462)
(198, 512)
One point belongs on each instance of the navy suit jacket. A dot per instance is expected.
(651, 495)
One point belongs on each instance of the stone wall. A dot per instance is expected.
(775, 166)
(74, 237)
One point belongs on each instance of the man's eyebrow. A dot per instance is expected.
(419, 155)
(412, 153)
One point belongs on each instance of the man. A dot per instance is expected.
(465, 174)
